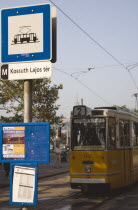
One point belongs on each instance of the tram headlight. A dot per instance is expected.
(87, 169)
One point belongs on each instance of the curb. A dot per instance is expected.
(54, 174)
(41, 177)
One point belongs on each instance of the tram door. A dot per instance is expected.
(124, 130)
(31, 36)
(18, 38)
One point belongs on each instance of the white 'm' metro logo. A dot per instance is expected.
(4, 71)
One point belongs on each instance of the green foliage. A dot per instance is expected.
(124, 106)
(11, 100)
(135, 110)
(44, 98)
(44, 101)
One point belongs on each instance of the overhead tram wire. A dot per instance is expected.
(130, 67)
(83, 85)
(82, 72)
(132, 78)
(93, 92)
(89, 35)
(95, 41)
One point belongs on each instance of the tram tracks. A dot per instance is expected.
(63, 202)
(50, 197)
(90, 201)
(57, 201)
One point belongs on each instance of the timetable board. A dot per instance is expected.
(25, 142)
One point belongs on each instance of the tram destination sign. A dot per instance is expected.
(26, 33)
(22, 71)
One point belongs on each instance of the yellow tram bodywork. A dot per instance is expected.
(113, 168)
(116, 168)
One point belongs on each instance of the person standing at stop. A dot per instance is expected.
(57, 151)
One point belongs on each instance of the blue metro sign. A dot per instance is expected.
(26, 33)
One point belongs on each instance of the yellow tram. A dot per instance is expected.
(104, 148)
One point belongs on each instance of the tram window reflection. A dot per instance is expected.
(127, 133)
(111, 132)
(134, 134)
(121, 132)
(88, 133)
(124, 133)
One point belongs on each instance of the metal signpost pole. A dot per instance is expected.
(28, 101)
(27, 108)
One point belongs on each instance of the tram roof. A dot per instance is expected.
(114, 108)
(103, 111)
(118, 109)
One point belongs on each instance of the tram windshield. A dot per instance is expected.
(88, 134)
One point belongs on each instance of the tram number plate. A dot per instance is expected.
(79, 111)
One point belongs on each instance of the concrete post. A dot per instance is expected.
(28, 101)
(27, 108)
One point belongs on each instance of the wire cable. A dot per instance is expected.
(83, 85)
(82, 72)
(132, 78)
(129, 65)
(132, 66)
(95, 41)
(88, 35)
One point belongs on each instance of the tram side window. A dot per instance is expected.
(134, 134)
(121, 132)
(124, 133)
(127, 133)
(112, 133)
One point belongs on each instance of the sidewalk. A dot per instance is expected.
(47, 170)
(44, 170)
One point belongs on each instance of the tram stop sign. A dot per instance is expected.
(26, 33)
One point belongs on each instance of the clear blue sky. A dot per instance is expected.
(113, 24)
